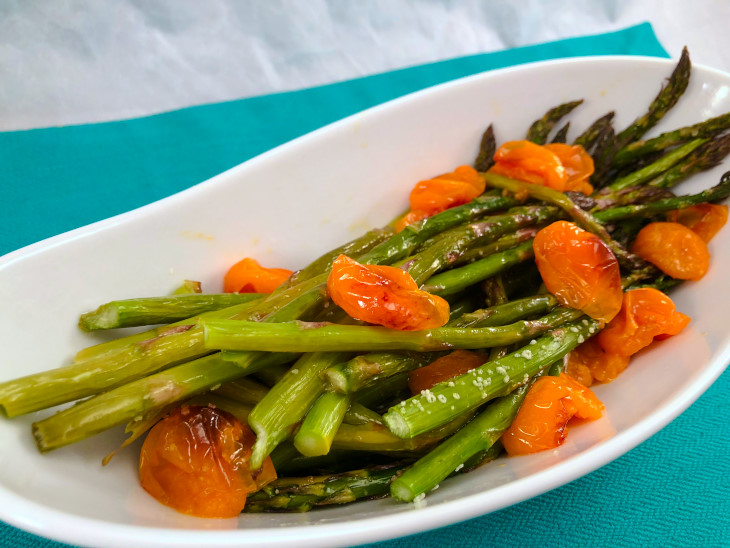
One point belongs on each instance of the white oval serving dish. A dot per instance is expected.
(284, 208)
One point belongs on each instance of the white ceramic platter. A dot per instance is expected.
(284, 208)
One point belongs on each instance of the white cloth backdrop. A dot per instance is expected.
(77, 61)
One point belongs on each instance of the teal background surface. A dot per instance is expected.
(671, 490)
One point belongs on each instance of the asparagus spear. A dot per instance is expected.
(358, 415)
(638, 149)
(656, 168)
(506, 313)
(136, 398)
(704, 157)
(242, 390)
(714, 194)
(540, 129)
(477, 436)
(315, 436)
(487, 148)
(508, 241)
(443, 402)
(603, 153)
(590, 136)
(154, 310)
(662, 103)
(561, 136)
(302, 494)
(325, 337)
(457, 279)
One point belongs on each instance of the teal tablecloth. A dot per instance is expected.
(671, 490)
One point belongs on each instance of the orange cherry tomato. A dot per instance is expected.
(590, 361)
(646, 314)
(441, 193)
(578, 166)
(196, 461)
(248, 276)
(579, 269)
(705, 220)
(443, 369)
(526, 161)
(384, 295)
(542, 421)
(674, 249)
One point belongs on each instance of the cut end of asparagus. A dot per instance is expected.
(311, 446)
(336, 380)
(397, 424)
(400, 491)
(104, 317)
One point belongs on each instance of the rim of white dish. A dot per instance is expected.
(64, 527)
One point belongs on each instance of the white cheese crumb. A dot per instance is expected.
(441, 398)
(581, 339)
(456, 396)
(533, 341)
(458, 468)
(501, 370)
(451, 384)
(294, 371)
(506, 379)
(527, 354)
(574, 329)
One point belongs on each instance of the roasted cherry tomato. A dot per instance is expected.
(526, 161)
(590, 361)
(579, 269)
(441, 193)
(646, 314)
(443, 369)
(542, 421)
(674, 249)
(384, 295)
(196, 461)
(248, 276)
(578, 166)
(705, 220)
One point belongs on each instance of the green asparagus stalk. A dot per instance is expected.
(704, 157)
(508, 241)
(656, 168)
(364, 370)
(451, 455)
(662, 103)
(387, 390)
(443, 402)
(242, 390)
(507, 313)
(325, 337)
(358, 415)
(487, 148)
(303, 494)
(288, 402)
(714, 194)
(603, 153)
(156, 310)
(590, 136)
(315, 436)
(457, 279)
(136, 398)
(639, 149)
(540, 129)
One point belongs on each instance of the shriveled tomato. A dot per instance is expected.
(542, 421)
(578, 166)
(443, 369)
(705, 220)
(526, 161)
(248, 276)
(579, 269)
(384, 295)
(646, 314)
(590, 361)
(196, 461)
(674, 249)
(441, 193)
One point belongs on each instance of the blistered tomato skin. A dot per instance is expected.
(384, 295)
(674, 249)
(705, 220)
(531, 163)
(578, 166)
(196, 461)
(248, 276)
(443, 369)
(646, 314)
(441, 193)
(579, 269)
(542, 421)
(590, 361)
